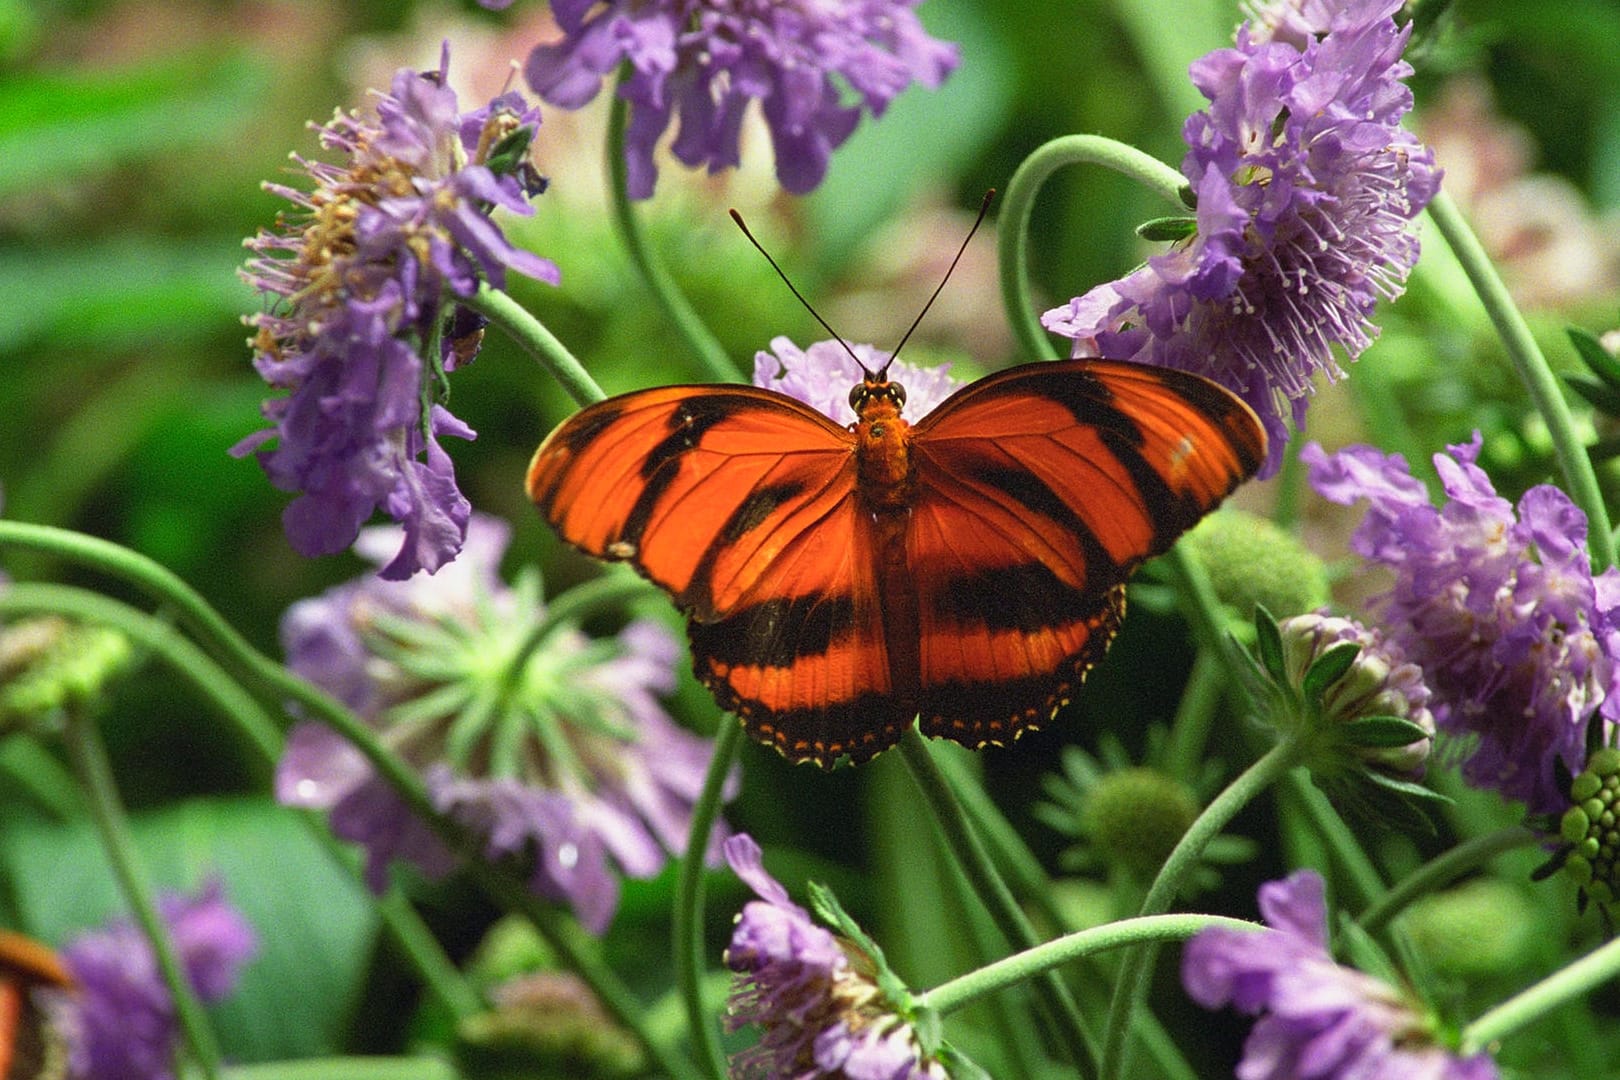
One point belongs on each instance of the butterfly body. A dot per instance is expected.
(967, 570)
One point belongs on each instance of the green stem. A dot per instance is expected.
(347, 1068)
(992, 890)
(239, 708)
(1195, 715)
(710, 353)
(688, 916)
(208, 625)
(1032, 886)
(1534, 371)
(1049, 955)
(537, 341)
(1331, 827)
(1442, 870)
(1012, 243)
(1138, 965)
(1565, 985)
(95, 775)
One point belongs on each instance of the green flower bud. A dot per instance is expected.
(1251, 560)
(546, 1024)
(1590, 833)
(48, 664)
(1134, 818)
(1484, 927)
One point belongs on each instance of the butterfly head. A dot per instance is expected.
(876, 390)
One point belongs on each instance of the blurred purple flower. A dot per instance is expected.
(570, 762)
(821, 376)
(811, 993)
(705, 60)
(1306, 187)
(1517, 639)
(121, 1023)
(359, 280)
(1318, 1020)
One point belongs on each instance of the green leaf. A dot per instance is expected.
(1329, 668)
(1169, 229)
(1600, 395)
(1406, 788)
(1268, 643)
(314, 922)
(1595, 356)
(1382, 732)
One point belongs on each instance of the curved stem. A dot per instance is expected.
(1441, 871)
(1567, 984)
(1534, 371)
(153, 635)
(420, 1067)
(992, 891)
(1012, 241)
(499, 881)
(1138, 965)
(688, 931)
(106, 810)
(710, 353)
(537, 341)
(1022, 966)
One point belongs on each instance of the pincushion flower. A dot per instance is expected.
(703, 61)
(558, 752)
(360, 326)
(821, 375)
(1306, 187)
(1497, 604)
(1318, 1019)
(822, 1011)
(121, 1022)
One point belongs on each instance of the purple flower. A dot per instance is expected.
(557, 753)
(1318, 1020)
(1517, 639)
(359, 282)
(821, 1011)
(822, 375)
(121, 1024)
(705, 60)
(1306, 186)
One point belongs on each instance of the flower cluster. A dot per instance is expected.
(822, 374)
(1319, 1019)
(812, 993)
(544, 743)
(121, 1022)
(361, 323)
(703, 61)
(1306, 186)
(1499, 606)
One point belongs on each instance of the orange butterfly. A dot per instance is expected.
(27, 1048)
(840, 581)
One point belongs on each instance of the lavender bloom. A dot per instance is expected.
(705, 60)
(811, 992)
(571, 763)
(1306, 187)
(359, 280)
(121, 1024)
(1500, 609)
(822, 374)
(1318, 1020)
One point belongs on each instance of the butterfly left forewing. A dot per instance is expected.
(1038, 491)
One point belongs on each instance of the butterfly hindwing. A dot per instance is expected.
(1038, 490)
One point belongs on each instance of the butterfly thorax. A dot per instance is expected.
(882, 445)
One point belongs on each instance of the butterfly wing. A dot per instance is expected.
(1037, 491)
(741, 503)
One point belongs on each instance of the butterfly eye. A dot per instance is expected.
(898, 393)
(857, 394)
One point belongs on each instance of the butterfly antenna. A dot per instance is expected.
(791, 288)
(984, 208)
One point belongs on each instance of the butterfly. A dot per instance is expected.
(839, 581)
(28, 1047)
